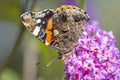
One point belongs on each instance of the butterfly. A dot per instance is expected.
(60, 28)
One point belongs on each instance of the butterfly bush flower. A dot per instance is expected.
(69, 2)
(96, 58)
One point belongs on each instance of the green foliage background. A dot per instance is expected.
(20, 51)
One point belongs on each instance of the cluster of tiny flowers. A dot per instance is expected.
(95, 57)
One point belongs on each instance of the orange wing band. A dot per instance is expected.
(49, 32)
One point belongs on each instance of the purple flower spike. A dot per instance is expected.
(69, 2)
(96, 58)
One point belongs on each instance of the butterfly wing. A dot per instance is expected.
(39, 23)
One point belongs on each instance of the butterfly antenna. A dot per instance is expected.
(50, 62)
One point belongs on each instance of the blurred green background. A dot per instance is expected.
(20, 51)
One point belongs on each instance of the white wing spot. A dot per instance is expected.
(38, 20)
(46, 43)
(48, 12)
(42, 15)
(43, 22)
(36, 30)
